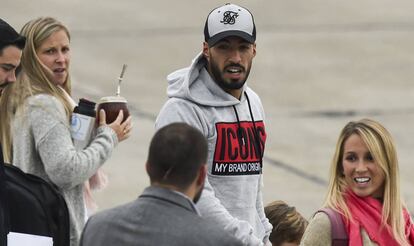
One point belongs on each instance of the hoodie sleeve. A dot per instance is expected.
(179, 110)
(260, 211)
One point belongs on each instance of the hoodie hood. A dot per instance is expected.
(195, 84)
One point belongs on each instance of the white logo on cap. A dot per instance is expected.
(229, 17)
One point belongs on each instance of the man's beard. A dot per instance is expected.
(229, 85)
(198, 194)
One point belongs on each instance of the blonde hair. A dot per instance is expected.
(33, 79)
(382, 148)
(5, 132)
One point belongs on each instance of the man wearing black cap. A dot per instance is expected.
(11, 45)
(212, 96)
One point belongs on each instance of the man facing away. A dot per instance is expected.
(212, 96)
(165, 213)
(11, 45)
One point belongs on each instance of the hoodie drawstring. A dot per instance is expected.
(239, 133)
(239, 129)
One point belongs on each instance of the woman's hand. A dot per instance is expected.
(122, 130)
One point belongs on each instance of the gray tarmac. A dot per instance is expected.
(319, 65)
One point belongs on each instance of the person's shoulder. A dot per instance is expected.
(111, 214)
(44, 107)
(42, 98)
(321, 218)
(45, 101)
(252, 94)
(99, 227)
(318, 231)
(180, 110)
(179, 102)
(108, 218)
(175, 105)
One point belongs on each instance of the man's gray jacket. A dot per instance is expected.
(158, 217)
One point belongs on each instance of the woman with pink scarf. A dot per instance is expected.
(364, 189)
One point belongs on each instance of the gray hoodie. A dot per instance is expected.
(232, 196)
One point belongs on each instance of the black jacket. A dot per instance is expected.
(3, 214)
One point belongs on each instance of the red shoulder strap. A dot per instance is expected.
(339, 234)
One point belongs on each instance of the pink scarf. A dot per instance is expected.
(366, 213)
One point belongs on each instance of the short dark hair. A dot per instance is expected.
(9, 36)
(288, 224)
(175, 155)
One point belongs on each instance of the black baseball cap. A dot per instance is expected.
(229, 20)
(9, 36)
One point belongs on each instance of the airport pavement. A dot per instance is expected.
(319, 64)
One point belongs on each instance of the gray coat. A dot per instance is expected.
(42, 145)
(158, 217)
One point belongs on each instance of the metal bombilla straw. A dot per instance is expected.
(118, 90)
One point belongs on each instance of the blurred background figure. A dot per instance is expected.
(288, 224)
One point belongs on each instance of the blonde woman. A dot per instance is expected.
(364, 188)
(42, 143)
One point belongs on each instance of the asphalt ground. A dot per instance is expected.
(319, 65)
